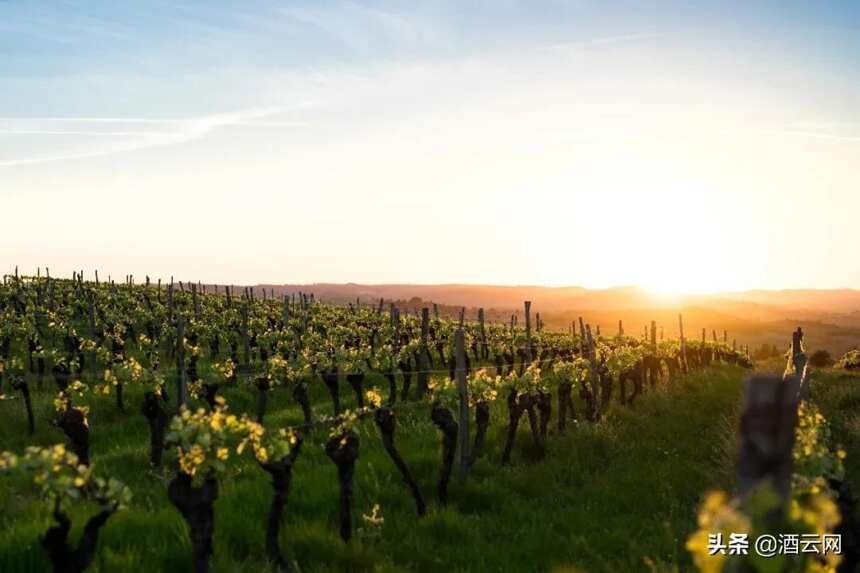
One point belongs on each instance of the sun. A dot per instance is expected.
(665, 291)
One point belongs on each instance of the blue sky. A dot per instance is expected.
(359, 121)
(79, 47)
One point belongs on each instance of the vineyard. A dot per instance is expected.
(167, 428)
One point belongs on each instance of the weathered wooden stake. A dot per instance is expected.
(92, 358)
(463, 391)
(767, 434)
(181, 381)
(423, 367)
(483, 332)
(246, 340)
(528, 310)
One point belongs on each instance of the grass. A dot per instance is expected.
(617, 496)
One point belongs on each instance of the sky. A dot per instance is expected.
(679, 146)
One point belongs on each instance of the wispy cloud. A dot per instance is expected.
(838, 131)
(819, 135)
(165, 131)
(581, 45)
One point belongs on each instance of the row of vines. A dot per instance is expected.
(179, 348)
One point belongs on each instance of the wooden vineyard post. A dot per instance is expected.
(92, 358)
(582, 339)
(286, 311)
(528, 310)
(620, 328)
(767, 434)
(170, 302)
(592, 360)
(181, 385)
(725, 336)
(654, 336)
(683, 343)
(485, 351)
(463, 392)
(246, 340)
(423, 367)
(196, 301)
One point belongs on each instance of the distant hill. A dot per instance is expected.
(830, 317)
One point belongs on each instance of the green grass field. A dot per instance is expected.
(618, 496)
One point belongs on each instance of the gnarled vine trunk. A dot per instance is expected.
(515, 412)
(282, 474)
(544, 406)
(24, 388)
(74, 424)
(343, 451)
(387, 424)
(300, 394)
(210, 393)
(482, 422)
(444, 420)
(153, 410)
(56, 542)
(330, 379)
(196, 504)
(357, 382)
(392, 387)
(406, 369)
(565, 405)
(263, 386)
